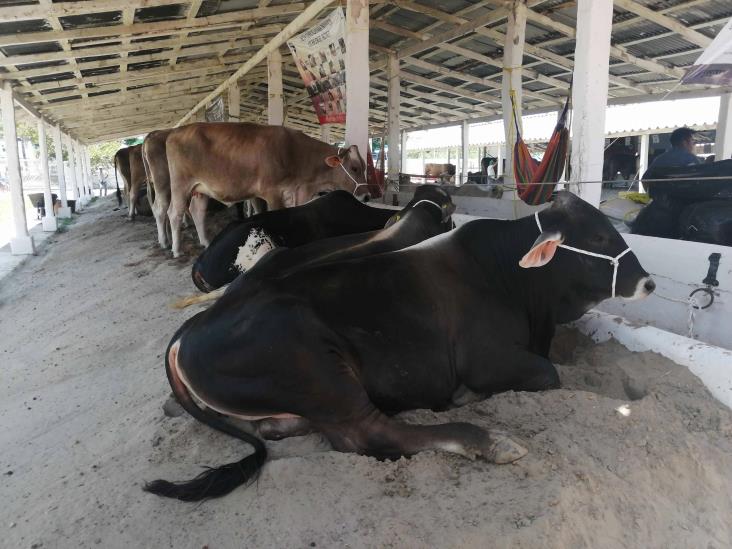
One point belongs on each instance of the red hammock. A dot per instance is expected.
(374, 176)
(528, 172)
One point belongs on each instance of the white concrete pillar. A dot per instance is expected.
(80, 172)
(403, 152)
(395, 156)
(234, 100)
(589, 96)
(357, 75)
(72, 174)
(275, 98)
(64, 212)
(513, 55)
(643, 159)
(500, 154)
(723, 142)
(325, 133)
(89, 171)
(465, 142)
(22, 243)
(49, 220)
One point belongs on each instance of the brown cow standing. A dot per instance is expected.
(155, 161)
(232, 162)
(128, 162)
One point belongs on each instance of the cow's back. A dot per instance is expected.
(335, 214)
(256, 156)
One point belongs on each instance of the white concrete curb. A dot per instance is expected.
(713, 365)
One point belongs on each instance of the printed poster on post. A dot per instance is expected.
(320, 56)
(215, 110)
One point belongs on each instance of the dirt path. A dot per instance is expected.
(82, 330)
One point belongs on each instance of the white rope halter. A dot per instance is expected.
(614, 261)
(350, 176)
(435, 204)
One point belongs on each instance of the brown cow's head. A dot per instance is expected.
(348, 170)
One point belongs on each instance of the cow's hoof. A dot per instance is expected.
(504, 450)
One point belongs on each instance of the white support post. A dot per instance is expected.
(80, 172)
(500, 154)
(89, 173)
(465, 150)
(403, 151)
(49, 220)
(64, 212)
(513, 56)
(72, 175)
(357, 75)
(275, 100)
(643, 159)
(234, 96)
(395, 156)
(589, 96)
(723, 142)
(22, 243)
(325, 133)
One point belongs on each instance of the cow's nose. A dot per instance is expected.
(649, 286)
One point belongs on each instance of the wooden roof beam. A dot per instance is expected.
(146, 29)
(674, 25)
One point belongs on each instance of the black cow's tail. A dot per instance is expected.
(116, 181)
(216, 481)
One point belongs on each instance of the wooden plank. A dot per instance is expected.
(146, 28)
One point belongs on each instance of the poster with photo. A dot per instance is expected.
(320, 56)
(215, 110)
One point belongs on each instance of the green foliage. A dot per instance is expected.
(132, 141)
(102, 154)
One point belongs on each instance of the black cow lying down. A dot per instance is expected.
(338, 347)
(426, 215)
(333, 214)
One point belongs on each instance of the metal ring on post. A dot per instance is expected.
(706, 291)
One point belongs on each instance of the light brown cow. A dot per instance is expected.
(232, 162)
(155, 160)
(128, 162)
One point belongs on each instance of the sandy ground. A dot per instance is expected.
(82, 387)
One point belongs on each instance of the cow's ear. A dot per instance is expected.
(543, 250)
(333, 161)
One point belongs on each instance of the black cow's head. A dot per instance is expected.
(437, 197)
(584, 279)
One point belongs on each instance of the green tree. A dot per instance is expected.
(102, 154)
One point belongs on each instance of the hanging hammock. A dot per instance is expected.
(528, 173)
(375, 175)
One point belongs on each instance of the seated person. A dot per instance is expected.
(681, 153)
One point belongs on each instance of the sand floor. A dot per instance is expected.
(82, 330)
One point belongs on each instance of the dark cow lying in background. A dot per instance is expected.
(339, 346)
(333, 214)
(426, 215)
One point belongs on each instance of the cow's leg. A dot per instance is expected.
(257, 206)
(513, 370)
(132, 201)
(347, 417)
(159, 209)
(386, 438)
(277, 429)
(197, 207)
(176, 210)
